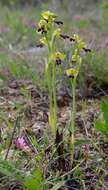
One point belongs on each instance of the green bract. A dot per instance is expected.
(81, 45)
(43, 40)
(56, 33)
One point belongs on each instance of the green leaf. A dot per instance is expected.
(104, 6)
(80, 142)
(8, 169)
(104, 106)
(58, 185)
(101, 127)
(35, 182)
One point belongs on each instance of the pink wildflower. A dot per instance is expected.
(77, 17)
(26, 21)
(20, 143)
(86, 147)
(4, 29)
(33, 25)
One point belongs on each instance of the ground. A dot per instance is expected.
(30, 159)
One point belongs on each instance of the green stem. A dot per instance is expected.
(51, 101)
(51, 80)
(54, 89)
(49, 84)
(73, 120)
(54, 95)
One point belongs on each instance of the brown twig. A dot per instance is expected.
(12, 136)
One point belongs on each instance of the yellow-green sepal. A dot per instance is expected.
(72, 72)
(48, 15)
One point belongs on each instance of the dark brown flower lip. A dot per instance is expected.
(39, 29)
(42, 30)
(72, 39)
(87, 49)
(58, 61)
(58, 22)
(71, 76)
(64, 36)
(73, 61)
(40, 45)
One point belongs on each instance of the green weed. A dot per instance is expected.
(101, 124)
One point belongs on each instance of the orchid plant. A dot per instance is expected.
(49, 35)
(75, 66)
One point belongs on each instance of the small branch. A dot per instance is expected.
(14, 130)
